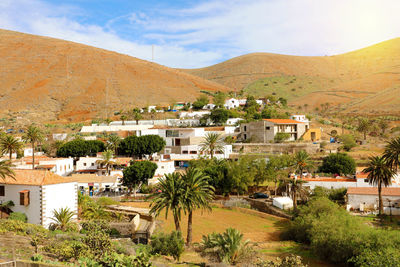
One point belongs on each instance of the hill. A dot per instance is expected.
(47, 79)
(365, 81)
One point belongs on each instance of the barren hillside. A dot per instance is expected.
(47, 79)
(362, 81)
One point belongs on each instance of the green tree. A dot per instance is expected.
(107, 160)
(364, 125)
(33, 135)
(276, 168)
(347, 141)
(9, 144)
(6, 170)
(379, 174)
(168, 244)
(383, 125)
(143, 145)
(62, 219)
(138, 173)
(219, 116)
(200, 102)
(219, 99)
(135, 114)
(296, 189)
(197, 195)
(80, 148)
(338, 163)
(280, 137)
(212, 143)
(392, 153)
(169, 198)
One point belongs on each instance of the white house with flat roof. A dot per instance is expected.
(37, 193)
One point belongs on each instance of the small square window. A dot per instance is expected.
(2, 191)
(84, 164)
(92, 163)
(24, 198)
(267, 128)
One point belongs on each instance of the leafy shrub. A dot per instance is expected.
(105, 201)
(348, 142)
(168, 244)
(288, 261)
(20, 227)
(228, 247)
(335, 235)
(37, 257)
(280, 137)
(18, 216)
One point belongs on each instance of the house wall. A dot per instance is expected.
(59, 196)
(329, 185)
(369, 201)
(307, 135)
(63, 167)
(89, 161)
(33, 210)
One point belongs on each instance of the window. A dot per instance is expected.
(193, 152)
(172, 133)
(245, 136)
(184, 152)
(24, 198)
(267, 128)
(2, 191)
(84, 164)
(92, 163)
(245, 129)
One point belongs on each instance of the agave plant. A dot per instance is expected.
(226, 246)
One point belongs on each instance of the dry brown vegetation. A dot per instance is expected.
(47, 79)
(364, 81)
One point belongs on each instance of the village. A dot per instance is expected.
(270, 162)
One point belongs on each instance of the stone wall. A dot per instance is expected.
(272, 148)
(266, 206)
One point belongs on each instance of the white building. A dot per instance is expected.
(94, 128)
(60, 136)
(231, 103)
(300, 118)
(193, 114)
(283, 203)
(38, 193)
(234, 121)
(363, 198)
(163, 167)
(90, 184)
(59, 166)
(209, 106)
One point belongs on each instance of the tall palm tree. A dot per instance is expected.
(197, 194)
(5, 170)
(62, 218)
(212, 143)
(10, 144)
(302, 162)
(392, 153)
(107, 160)
(379, 173)
(113, 142)
(364, 125)
(170, 197)
(296, 189)
(33, 135)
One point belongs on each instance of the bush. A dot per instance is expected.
(21, 228)
(18, 216)
(105, 201)
(335, 235)
(280, 137)
(339, 163)
(288, 261)
(348, 142)
(168, 244)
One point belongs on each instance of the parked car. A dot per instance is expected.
(259, 195)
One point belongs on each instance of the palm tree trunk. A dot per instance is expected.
(189, 229)
(380, 198)
(365, 135)
(177, 223)
(275, 187)
(212, 153)
(33, 155)
(294, 200)
(10, 155)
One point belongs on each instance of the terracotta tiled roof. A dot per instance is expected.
(282, 121)
(35, 177)
(92, 178)
(328, 179)
(386, 191)
(216, 128)
(362, 175)
(48, 167)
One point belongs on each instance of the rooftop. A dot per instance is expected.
(92, 178)
(386, 191)
(329, 179)
(283, 121)
(35, 177)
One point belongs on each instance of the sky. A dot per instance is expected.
(194, 34)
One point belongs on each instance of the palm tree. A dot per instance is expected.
(364, 126)
(93, 211)
(212, 143)
(113, 142)
(107, 160)
(197, 194)
(379, 173)
(62, 218)
(5, 169)
(169, 197)
(302, 162)
(33, 135)
(9, 144)
(392, 153)
(123, 118)
(296, 188)
(135, 114)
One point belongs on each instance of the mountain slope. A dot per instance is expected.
(47, 79)
(353, 80)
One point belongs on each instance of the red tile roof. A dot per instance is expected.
(282, 121)
(35, 177)
(386, 191)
